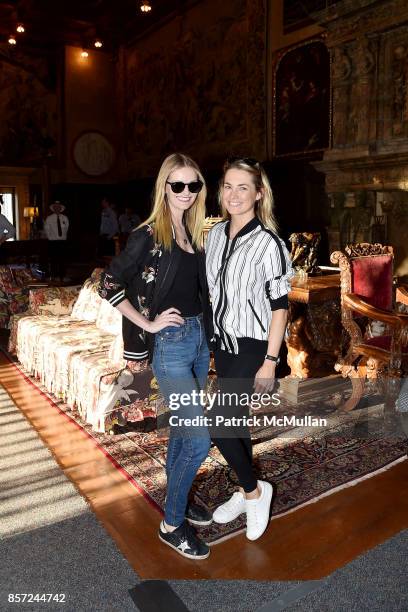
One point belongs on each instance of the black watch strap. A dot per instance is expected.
(273, 358)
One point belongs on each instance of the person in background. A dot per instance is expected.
(127, 222)
(7, 230)
(108, 229)
(56, 227)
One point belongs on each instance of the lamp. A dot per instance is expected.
(31, 212)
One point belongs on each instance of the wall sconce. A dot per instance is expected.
(20, 28)
(84, 53)
(98, 43)
(12, 40)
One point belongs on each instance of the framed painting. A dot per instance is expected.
(301, 100)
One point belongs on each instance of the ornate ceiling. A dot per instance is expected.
(50, 23)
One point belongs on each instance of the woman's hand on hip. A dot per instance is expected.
(168, 317)
(265, 378)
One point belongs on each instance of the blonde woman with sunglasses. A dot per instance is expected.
(248, 272)
(159, 285)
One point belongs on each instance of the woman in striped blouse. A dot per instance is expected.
(248, 272)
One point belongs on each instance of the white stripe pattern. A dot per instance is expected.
(130, 355)
(117, 298)
(257, 271)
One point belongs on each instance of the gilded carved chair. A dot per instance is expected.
(402, 298)
(375, 348)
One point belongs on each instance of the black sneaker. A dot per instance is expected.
(197, 515)
(184, 540)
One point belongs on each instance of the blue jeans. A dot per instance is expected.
(180, 364)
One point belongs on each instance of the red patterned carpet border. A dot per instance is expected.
(302, 468)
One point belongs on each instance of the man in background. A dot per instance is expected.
(108, 229)
(7, 230)
(56, 227)
(127, 222)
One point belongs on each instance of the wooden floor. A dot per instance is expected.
(307, 544)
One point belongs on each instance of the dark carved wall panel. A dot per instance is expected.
(367, 166)
(197, 84)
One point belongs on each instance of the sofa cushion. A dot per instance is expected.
(22, 276)
(372, 279)
(109, 319)
(115, 354)
(52, 300)
(87, 306)
(13, 327)
(57, 349)
(6, 279)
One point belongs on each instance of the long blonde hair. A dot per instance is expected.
(263, 206)
(160, 216)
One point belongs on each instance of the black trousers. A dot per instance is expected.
(235, 374)
(57, 254)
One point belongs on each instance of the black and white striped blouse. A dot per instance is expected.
(248, 278)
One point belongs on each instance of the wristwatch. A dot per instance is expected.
(273, 358)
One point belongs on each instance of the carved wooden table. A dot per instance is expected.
(314, 326)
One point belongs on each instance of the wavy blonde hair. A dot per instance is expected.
(160, 216)
(263, 206)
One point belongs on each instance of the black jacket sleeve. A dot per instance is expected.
(122, 269)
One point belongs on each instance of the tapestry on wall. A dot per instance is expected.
(28, 108)
(198, 86)
(302, 100)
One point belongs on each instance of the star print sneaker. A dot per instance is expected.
(197, 515)
(184, 540)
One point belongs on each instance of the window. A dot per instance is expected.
(7, 202)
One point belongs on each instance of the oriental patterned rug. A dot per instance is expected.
(304, 463)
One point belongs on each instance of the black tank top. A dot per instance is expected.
(184, 292)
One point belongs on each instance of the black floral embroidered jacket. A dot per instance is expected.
(143, 273)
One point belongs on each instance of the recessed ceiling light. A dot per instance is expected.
(145, 7)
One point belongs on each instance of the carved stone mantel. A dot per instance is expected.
(348, 19)
(351, 171)
(368, 42)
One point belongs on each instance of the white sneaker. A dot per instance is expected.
(231, 509)
(257, 511)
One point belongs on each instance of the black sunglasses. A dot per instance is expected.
(179, 186)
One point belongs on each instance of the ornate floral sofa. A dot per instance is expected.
(14, 291)
(70, 339)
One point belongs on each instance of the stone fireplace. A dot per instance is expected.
(366, 168)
